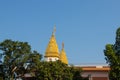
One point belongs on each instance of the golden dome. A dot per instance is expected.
(63, 56)
(52, 48)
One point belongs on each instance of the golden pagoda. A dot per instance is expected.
(52, 51)
(63, 56)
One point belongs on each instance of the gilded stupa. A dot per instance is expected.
(63, 56)
(52, 50)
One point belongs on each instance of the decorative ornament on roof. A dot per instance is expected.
(54, 30)
(62, 45)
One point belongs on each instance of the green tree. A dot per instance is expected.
(76, 71)
(77, 74)
(112, 56)
(58, 71)
(33, 62)
(54, 71)
(16, 54)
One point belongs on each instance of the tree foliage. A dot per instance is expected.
(20, 59)
(59, 71)
(16, 54)
(112, 56)
(54, 71)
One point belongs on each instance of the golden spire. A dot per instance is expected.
(54, 30)
(52, 48)
(63, 56)
(62, 45)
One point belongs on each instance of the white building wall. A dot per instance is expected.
(51, 59)
(95, 74)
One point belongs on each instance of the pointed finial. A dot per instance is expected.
(62, 45)
(53, 33)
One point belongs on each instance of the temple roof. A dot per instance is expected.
(63, 56)
(52, 48)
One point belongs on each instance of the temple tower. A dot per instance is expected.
(52, 50)
(63, 56)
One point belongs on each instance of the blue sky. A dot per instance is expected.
(85, 26)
